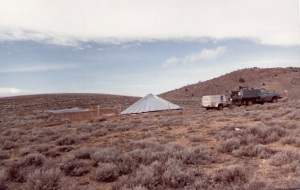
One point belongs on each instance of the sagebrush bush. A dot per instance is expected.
(8, 145)
(175, 175)
(65, 148)
(260, 151)
(74, 167)
(109, 155)
(4, 155)
(32, 159)
(3, 178)
(106, 172)
(284, 157)
(233, 175)
(44, 179)
(82, 153)
(198, 155)
(228, 145)
(51, 153)
(100, 132)
(198, 138)
(66, 140)
(71, 139)
(43, 147)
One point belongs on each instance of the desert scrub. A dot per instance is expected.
(73, 167)
(241, 141)
(48, 179)
(173, 121)
(197, 138)
(259, 151)
(82, 153)
(32, 159)
(199, 155)
(232, 175)
(71, 139)
(157, 175)
(4, 155)
(100, 132)
(106, 172)
(109, 155)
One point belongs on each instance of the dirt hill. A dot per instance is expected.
(62, 101)
(272, 79)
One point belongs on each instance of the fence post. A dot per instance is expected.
(119, 111)
(98, 112)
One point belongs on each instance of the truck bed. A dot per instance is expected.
(250, 93)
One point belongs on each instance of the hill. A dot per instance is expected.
(272, 79)
(60, 101)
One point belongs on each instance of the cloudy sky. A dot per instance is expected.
(136, 47)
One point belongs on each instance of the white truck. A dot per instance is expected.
(214, 101)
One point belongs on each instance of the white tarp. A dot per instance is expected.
(150, 103)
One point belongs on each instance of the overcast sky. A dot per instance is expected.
(136, 47)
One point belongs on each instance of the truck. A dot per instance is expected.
(246, 96)
(214, 101)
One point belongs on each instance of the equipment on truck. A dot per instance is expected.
(247, 96)
(214, 101)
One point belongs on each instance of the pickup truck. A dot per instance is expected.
(248, 97)
(214, 101)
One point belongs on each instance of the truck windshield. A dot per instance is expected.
(263, 91)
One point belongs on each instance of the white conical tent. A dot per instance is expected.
(150, 103)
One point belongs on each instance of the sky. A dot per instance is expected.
(137, 47)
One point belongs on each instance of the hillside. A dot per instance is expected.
(61, 101)
(272, 79)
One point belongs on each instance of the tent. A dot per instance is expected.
(150, 103)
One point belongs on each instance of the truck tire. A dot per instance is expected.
(249, 103)
(274, 99)
(220, 107)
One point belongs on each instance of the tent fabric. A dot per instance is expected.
(150, 103)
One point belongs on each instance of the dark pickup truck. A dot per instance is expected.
(248, 97)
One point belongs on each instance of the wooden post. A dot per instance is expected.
(119, 111)
(91, 112)
(287, 96)
(98, 112)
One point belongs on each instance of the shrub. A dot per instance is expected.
(256, 184)
(174, 175)
(43, 148)
(3, 178)
(32, 159)
(147, 144)
(106, 172)
(8, 145)
(82, 153)
(198, 155)
(227, 146)
(100, 132)
(73, 167)
(198, 138)
(44, 179)
(283, 158)
(71, 139)
(233, 175)
(65, 148)
(51, 153)
(109, 155)
(4, 155)
(66, 140)
(17, 173)
(260, 151)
